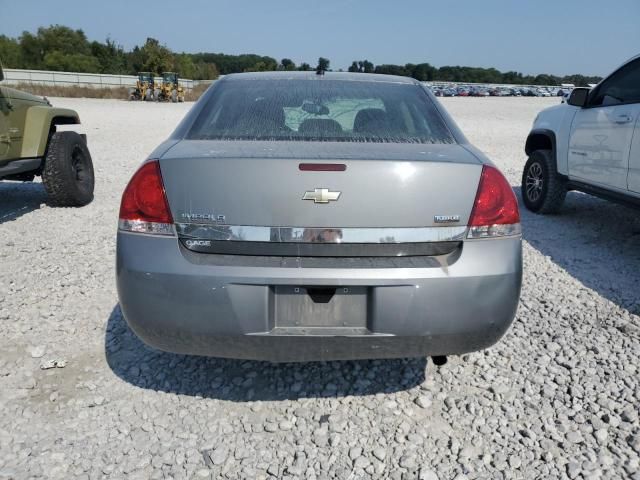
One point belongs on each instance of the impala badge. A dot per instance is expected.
(321, 195)
(446, 218)
(204, 218)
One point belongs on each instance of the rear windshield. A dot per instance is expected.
(320, 110)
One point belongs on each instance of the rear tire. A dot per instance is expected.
(543, 189)
(68, 174)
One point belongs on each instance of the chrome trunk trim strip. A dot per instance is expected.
(246, 233)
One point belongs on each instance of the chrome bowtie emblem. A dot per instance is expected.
(321, 195)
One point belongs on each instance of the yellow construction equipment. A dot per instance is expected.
(145, 87)
(170, 90)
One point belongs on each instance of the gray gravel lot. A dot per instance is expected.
(81, 397)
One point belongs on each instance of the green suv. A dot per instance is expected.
(30, 145)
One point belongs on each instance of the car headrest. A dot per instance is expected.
(371, 120)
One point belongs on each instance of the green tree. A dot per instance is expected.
(77, 62)
(287, 64)
(135, 61)
(183, 64)
(156, 58)
(305, 67)
(423, 72)
(236, 63)
(512, 77)
(58, 48)
(547, 80)
(580, 80)
(323, 65)
(63, 39)
(361, 66)
(206, 71)
(366, 66)
(111, 57)
(10, 52)
(391, 70)
(32, 51)
(259, 67)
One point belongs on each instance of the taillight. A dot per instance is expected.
(495, 211)
(144, 207)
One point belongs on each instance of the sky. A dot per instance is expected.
(590, 37)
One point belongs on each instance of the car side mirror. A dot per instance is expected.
(579, 97)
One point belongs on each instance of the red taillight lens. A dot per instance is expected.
(144, 203)
(495, 204)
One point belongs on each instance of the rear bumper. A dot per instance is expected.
(178, 305)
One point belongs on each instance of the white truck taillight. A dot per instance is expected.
(495, 211)
(144, 207)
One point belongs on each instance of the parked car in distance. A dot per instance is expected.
(295, 217)
(478, 92)
(31, 145)
(564, 93)
(591, 144)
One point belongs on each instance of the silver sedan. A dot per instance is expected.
(298, 217)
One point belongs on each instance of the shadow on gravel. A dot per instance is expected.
(242, 380)
(597, 242)
(18, 198)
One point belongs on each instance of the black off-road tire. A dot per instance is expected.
(67, 174)
(543, 189)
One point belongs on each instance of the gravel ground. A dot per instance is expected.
(81, 397)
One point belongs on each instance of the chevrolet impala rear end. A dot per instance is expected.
(299, 217)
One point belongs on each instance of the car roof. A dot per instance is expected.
(312, 75)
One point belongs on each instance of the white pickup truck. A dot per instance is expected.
(590, 144)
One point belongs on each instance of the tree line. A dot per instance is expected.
(61, 48)
(425, 72)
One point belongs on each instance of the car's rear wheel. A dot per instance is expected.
(543, 189)
(68, 174)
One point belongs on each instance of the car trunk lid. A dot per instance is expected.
(261, 184)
